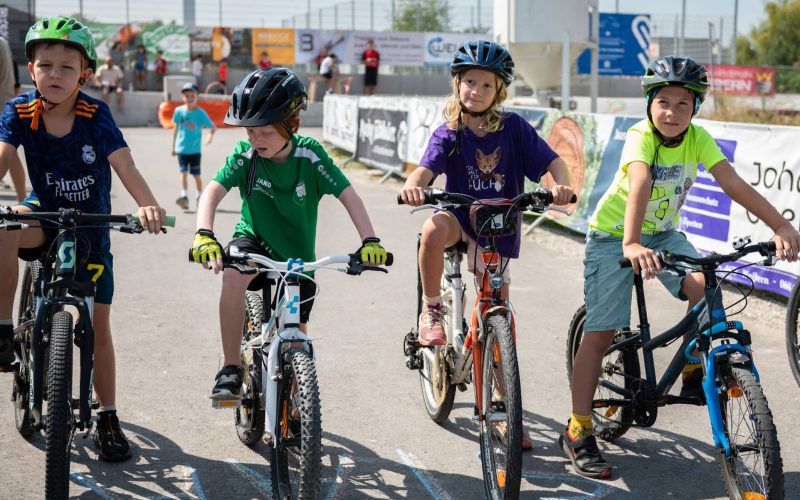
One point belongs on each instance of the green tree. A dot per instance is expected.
(777, 39)
(421, 15)
(745, 51)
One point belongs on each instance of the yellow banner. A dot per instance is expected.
(278, 43)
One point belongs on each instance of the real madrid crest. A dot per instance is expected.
(88, 154)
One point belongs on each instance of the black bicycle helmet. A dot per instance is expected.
(483, 54)
(266, 96)
(679, 71)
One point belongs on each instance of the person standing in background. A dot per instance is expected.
(109, 77)
(371, 59)
(264, 62)
(329, 71)
(197, 69)
(160, 69)
(140, 67)
(222, 74)
(117, 52)
(8, 89)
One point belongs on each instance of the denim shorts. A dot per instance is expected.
(607, 288)
(190, 163)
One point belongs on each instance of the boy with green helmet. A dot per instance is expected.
(71, 144)
(637, 217)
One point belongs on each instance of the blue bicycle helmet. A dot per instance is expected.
(483, 54)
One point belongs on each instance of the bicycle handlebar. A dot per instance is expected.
(537, 200)
(235, 258)
(670, 260)
(67, 217)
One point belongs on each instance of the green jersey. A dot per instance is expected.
(281, 211)
(673, 170)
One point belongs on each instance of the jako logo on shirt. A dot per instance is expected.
(88, 155)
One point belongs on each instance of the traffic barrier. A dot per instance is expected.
(216, 111)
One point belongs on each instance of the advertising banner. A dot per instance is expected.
(382, 133)
(624, 45)
(340, 123)
(278, 43)
(440, 47)
(424, 116)
(310, 46)
(398, 48)
(742, 80)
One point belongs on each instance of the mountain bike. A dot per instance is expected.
(280, 391)
(484, 350)
(745, 439)
(46, 332)
(793, 331)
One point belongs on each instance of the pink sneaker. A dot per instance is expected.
(430, 325)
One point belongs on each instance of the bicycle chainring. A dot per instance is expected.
(643, 402)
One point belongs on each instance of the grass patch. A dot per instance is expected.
(728, 110)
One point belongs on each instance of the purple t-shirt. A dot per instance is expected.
(493, 166)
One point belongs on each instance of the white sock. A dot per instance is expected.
(184, 193)
(432, 300)
(107, 408)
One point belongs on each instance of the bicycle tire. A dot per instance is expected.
(438, 393)
(750, 430)
(619, 367)
(249, 420)
(22, 377)
(501, 451)
(793, 331)
(58, 422)
(296, 459)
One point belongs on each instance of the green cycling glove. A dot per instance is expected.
(371, 251)
(205, 247)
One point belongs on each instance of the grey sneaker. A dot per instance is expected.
(183, 202)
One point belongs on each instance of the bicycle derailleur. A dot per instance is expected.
(411, 350)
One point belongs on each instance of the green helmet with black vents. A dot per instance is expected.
(66, 30)
(676, 71)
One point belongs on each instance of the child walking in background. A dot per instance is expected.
(485, 153)
(638, 216)
(189, 120)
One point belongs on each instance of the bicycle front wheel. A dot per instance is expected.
(793, 331)
(58, 421)
(754, 468)
(22, 377)
(296, 461)
(619, 368)
(249, 418)
(501, 423)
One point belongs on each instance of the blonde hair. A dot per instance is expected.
(492, 121)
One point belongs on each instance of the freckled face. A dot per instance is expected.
(57, 70)
(671, 110)
(477, 90)
(266, 140)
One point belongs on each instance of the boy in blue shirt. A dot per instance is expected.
(189, 121)
(70, 141)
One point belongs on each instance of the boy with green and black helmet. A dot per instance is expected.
(281, 177)
(71, 144)
(638, 216)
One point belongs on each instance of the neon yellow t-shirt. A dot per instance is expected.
(674, 174)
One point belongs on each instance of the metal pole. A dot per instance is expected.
(352, 14)
(735, 30)
(127, 12)
(418, 14)
(711, 59)
(683, 29)
(472, 18)
(336, 16)
(719, 40)
(394, 20)
(80, 9)
(675, 37)
(220, 13)
(565, 73)
(308, 15)
(478, 15)
(594, 83)
(372, 15)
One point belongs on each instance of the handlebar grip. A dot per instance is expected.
(400, 200)
(624, 262)
(573, 199)
(168, 221)
(389, 259)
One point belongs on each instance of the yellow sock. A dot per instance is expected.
(580, 426)
(689, 369)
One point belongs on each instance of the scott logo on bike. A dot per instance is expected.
(292, 305)
(66, 254)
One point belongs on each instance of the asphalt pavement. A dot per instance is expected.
(378, 440)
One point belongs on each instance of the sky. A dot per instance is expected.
(241, 13)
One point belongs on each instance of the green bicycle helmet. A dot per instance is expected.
(679, 71)
(66, 30)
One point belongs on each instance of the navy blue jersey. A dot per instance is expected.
(70, 171)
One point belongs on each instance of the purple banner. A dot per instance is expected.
(765, 278)
(704, 225)
(711, 201)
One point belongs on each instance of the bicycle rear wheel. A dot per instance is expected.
(754, 468)
(22, 377)
(620, 368)
(249, 418)
(793, 331)
(501, 425)
(296, 459)
(59, 419)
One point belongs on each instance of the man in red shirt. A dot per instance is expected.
(371, 60)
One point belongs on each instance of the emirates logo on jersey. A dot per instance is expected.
(88, 156)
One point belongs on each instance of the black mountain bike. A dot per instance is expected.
(745, 438)
(793, 331)
(46, 332)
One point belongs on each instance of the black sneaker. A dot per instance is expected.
(693, 386)
(585, 456)
(109, 438)
(7, 357)
(229, 383)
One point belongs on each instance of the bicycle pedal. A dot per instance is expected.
(222, 404)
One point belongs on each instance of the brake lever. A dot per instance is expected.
(427, 206)
(374, 268)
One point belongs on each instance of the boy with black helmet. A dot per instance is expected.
(71, 144)
(281, 177)
(484, 152)
(638, 216)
